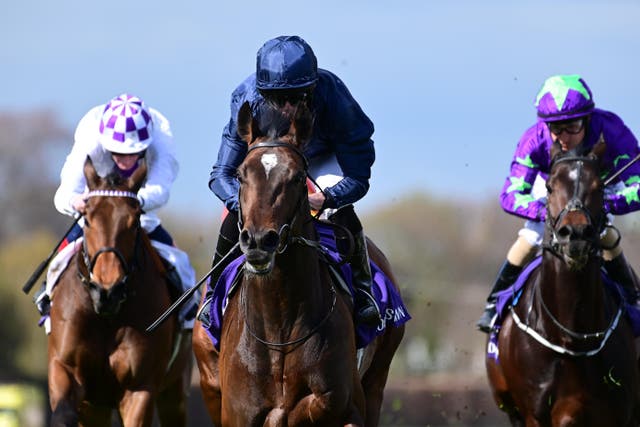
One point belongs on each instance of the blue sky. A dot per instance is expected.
(449, 84)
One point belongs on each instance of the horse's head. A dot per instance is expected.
(111, 236)
(273, 192)
(575, 214)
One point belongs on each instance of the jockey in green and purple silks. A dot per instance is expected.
(567, 115)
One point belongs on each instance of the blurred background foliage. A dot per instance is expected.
(445, 253)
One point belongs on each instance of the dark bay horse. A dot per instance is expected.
(288, 351)
(566, 354)
(100, 357)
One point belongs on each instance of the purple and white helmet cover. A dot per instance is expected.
(126, 126)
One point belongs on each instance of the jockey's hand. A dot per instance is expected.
(316, 200)
(79, 203)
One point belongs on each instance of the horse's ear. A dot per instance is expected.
(556, 150)
(92, 177)
(246, 123)
(599, 149)
(302, 125)
(137, 177)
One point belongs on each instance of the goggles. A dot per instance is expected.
(571, 127)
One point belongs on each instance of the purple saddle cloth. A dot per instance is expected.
(392, 309)
(510, 296)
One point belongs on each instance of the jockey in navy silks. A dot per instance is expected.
(340, 153)
(567, 115)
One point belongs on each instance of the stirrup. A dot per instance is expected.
(487, 320)
(203, 313)
(42, 300)
(367, 311)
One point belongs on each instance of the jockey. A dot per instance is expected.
(566, 114)
(116, 136)
(340, 153)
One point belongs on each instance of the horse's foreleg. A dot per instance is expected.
(207, 360)
(321, 410)
(172, 405)
(136, 408)
(62, 396)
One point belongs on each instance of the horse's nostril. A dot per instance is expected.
(246, 239)
(270, 240)
(564, 233)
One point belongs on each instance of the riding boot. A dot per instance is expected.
(506, 276)
(620, 272)
(225, 244)
(42, 300)
(367, 311)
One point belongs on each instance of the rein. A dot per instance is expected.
(574, 205)
(89, 262)
(556, 249)
(285, 239)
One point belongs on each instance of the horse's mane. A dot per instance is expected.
(114, 179)
(272, 122)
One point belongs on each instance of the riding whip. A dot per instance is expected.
(188, 293)
(38, 272)
(622, 169)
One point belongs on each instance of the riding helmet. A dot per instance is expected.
(564, 97)
(126, 126)
(286, 62)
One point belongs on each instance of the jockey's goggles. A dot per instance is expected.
(571, 127)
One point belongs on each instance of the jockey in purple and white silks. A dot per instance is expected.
(566, 114)
(116, 136)
(340, 153)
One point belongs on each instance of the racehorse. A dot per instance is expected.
(565, 357)
(100, 357)
(287, 349)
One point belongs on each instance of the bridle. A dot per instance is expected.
(556, 248)
(284, 234)
(120, 288)
(286, 237)
(555, 244)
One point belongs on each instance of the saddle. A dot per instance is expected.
(394, 312)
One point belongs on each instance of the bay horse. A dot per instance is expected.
(565, 357)
(287, 347)
(100, 357)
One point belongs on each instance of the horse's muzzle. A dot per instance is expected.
(259, 249)
(107, 302)
(577, 243)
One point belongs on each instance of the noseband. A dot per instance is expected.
(90, 262)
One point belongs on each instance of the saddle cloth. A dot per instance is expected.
(392, 309)
(511, 296)
(173, 255)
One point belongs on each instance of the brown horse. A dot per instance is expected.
(288, 352)
(565, 356)
(100, 357)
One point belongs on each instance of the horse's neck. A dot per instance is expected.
(575, 298)
(295, 289)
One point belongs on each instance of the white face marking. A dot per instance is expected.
(269, 161)
(573, 174)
